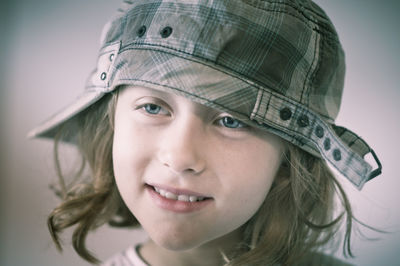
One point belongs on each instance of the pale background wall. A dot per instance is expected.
(48, 47)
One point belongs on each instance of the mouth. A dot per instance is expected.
(177, 200)
(178, 195)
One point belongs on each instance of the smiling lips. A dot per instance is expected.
(173, 196)
(177, 200)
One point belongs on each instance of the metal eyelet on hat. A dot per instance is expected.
(319, 131)
(111, 57)
(327, 144)
(166, 32)
(303, 121)
(285, 114)
(141, 31)
(337, 155)
(103, 76)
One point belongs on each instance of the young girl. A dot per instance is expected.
(210, 124)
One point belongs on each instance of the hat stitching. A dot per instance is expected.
(310, 70)
(306, 22)
(355, 140)
(269, 101)
(303, 7)
(309, 18)
(325, 154)
(301, 109)
(257, 105)
(319, 47)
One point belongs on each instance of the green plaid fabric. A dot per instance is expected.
(275, 64)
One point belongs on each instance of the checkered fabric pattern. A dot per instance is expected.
(274, 64)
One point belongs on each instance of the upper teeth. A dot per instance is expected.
(170, 195)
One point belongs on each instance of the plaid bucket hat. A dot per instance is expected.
(273, 64)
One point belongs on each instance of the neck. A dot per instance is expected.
(208, 254)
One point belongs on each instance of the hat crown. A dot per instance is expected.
(275, 64)
(289, 46)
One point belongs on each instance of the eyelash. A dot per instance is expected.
(221, 121)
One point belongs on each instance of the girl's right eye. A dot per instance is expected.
(153, 109)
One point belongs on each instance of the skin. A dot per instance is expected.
(162, 138)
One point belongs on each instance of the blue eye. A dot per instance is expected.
(151, 108)
(231, 122)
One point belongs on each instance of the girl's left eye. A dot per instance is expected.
(230, 122)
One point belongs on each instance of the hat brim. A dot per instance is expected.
(49, 128)
(218, 88)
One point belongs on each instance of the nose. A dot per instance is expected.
(181, 147)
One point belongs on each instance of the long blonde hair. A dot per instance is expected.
(295, 219)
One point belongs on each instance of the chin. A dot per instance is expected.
(178, 242)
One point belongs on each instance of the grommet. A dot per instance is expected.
(103, 76)
(111, 57)
(319, 131)
(337, 155)
(285, 114)
(303, 121)
(141, 31)
(327, 144)
(166, 32)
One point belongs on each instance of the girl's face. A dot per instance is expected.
(188, 173)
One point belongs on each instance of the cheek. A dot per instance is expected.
(131, 145)
(259, 175)
(246, 180)
(248, 194)
(123, 169)
(130, 159)
(251, 169)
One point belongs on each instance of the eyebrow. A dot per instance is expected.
(152, 92)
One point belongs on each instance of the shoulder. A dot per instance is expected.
(316, 258)
(128, 257)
